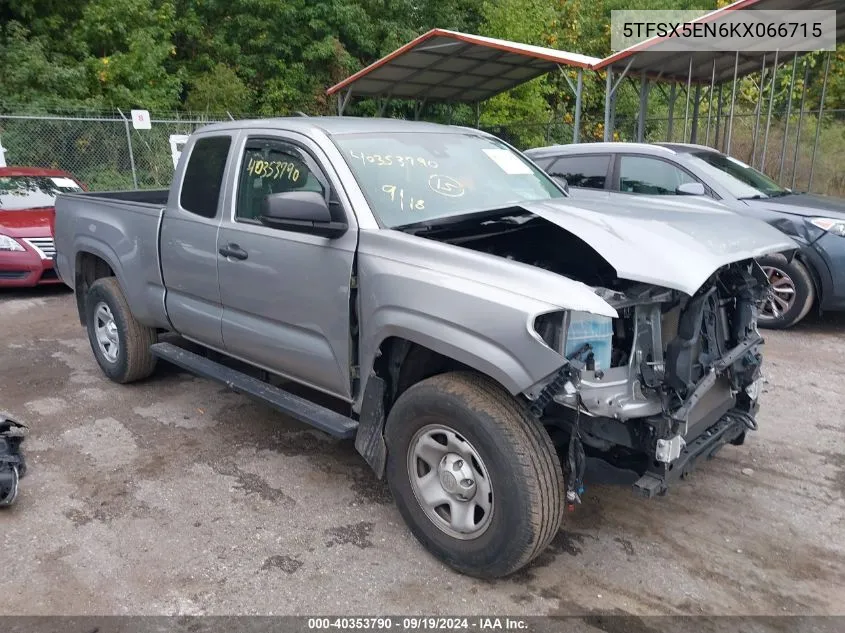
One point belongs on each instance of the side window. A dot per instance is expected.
(203, 178)
(271, 166)
(588, 172)
(651, 176)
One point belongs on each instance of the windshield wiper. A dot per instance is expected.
(756, 196)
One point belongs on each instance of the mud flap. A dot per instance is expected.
(369, 441)
(12, 463)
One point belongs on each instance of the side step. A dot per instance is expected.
(301, 409)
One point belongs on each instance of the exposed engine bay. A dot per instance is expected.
(682, 373)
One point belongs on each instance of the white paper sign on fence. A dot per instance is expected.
(141, 119)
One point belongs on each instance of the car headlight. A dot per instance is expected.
(9, 244)
(567, 332)
(837, 227)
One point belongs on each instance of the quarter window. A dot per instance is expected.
(204, 176)
(650, 176)
(270, 167)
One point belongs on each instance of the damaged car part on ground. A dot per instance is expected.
(460, 313)
(12, 463)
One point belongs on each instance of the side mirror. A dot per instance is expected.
(562, 182)
(690, 189)
(302, 212)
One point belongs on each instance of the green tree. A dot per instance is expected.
(218, 90)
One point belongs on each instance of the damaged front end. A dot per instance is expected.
(682, 381)
(674, 374)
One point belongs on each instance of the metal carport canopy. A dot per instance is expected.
(650, 57)
(446, 65)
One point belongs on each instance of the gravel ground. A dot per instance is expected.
(177, 496)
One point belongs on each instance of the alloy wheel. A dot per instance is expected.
(781, 296)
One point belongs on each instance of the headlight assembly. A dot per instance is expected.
(567, 332)
(9, 244)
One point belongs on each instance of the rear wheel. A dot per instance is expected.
(474, 475)
(791, 294)
(120, 343)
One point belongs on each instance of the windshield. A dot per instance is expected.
(741, 180)
(32, 192)
(415, 177)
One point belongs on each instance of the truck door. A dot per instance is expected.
(189, 243)
(286, 294)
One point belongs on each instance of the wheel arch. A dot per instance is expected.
(89, 266)
(406, 357)
(400, 362)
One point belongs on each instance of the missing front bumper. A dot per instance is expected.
(730, 428)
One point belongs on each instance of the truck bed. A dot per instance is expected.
(121, 229)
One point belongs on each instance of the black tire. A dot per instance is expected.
(791, 273)
(516, 451)
(133, 360)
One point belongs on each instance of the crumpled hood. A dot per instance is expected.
(664, 243)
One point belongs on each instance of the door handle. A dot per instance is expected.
(234, 251)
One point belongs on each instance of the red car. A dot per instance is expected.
(27, 199)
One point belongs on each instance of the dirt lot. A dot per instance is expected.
(179, 496)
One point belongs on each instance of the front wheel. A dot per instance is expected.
(791, 294)
(474, 475)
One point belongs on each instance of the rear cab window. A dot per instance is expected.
(203, 179)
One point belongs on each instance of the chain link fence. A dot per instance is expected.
(104, 152)
(107, 152)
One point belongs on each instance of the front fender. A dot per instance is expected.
(453, 341)
(475, 308)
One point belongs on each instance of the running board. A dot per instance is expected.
(298, 408)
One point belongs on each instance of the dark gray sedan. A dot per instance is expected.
(815, 277)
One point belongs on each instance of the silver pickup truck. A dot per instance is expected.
(486, 342)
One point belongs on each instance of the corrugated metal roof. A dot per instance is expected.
(446, 65)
